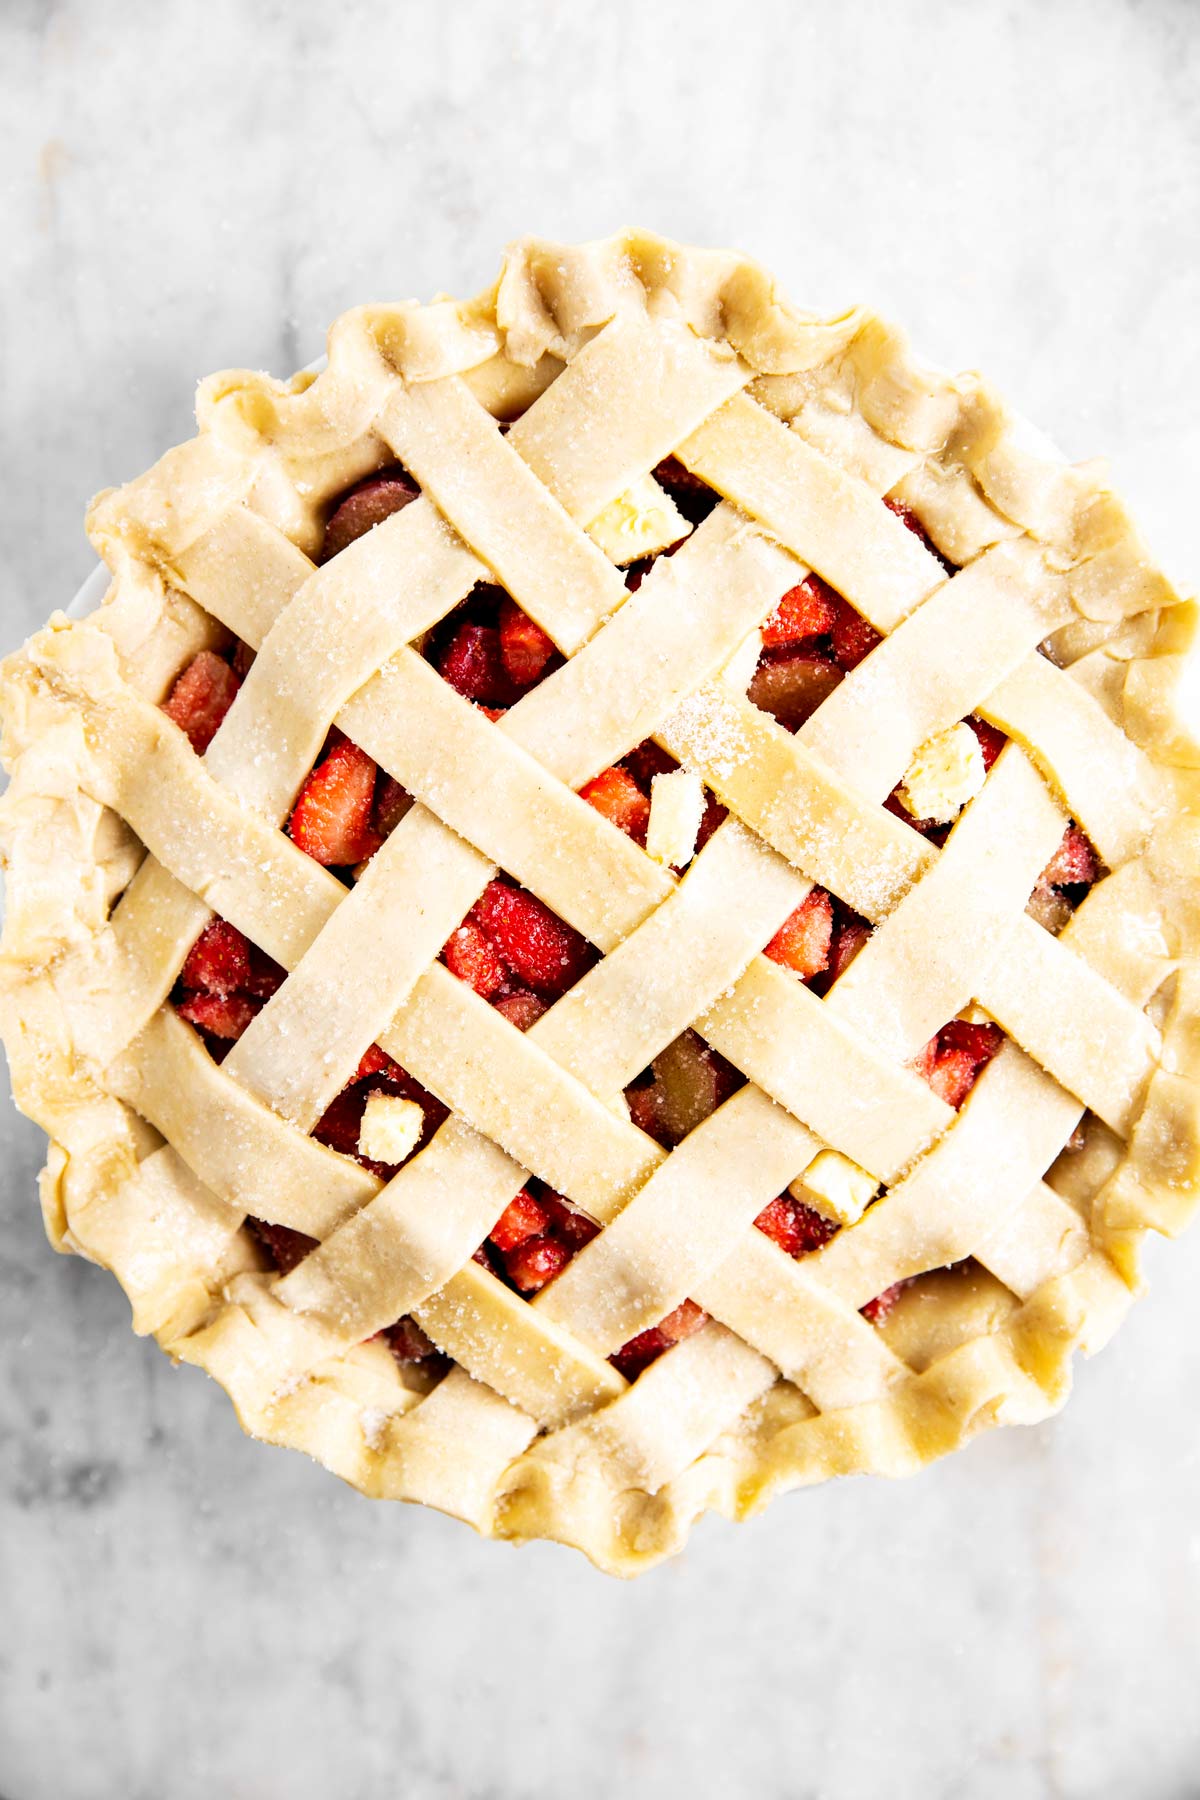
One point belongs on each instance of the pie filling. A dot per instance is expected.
(520, 957)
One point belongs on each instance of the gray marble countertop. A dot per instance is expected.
(186, 1614)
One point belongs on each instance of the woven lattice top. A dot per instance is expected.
(532, 421)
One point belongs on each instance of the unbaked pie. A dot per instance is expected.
(602, 922)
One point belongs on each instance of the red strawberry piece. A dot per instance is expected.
(520, 1008)
(617, 795)
(375, 1061)
(796, 1228)
(639, 1353)
(284, 1246)
(525, 648)
(220, 1015)
(778, 1221)
(951, 1075)
(980, 1042)
(543, 951)
(407, 1342)
(391, 803)
(201, 697)
(683, 1322)
(805, 611)
(951, 1061)
(522, 1218)
(536, 1262)
(242, 660)
(853, 637)
(991, 739)
(1074, 863)
(470, 954)
(473, 666)
(331, 821)
(849, 935)
(791, 688)
(649, 1345)
(219, 960)
(802, 941)
(877, 1310)
(365, 506)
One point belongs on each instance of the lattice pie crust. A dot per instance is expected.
(122, 842)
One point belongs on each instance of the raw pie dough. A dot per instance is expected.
(122, 843)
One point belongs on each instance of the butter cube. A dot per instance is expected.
(676, 809)
(943, 775)
(390, 1128)
(640, 522)
(835, 1187)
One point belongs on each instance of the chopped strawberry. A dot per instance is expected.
(991, 739)
(686, 1319)
(471, 955)
(365, 506)
(951, 1061)
(219, 960)
(282, 1244)
(536, 1262)
(877, 1310)
(242, 660)
(391, 804)
(520, 1008)
(525, 648)
(407, 1342)
(617, 795)
(805, 611)
(544, 952)
(796, 1228)
(951, 1075)
(853, 637)
(375, 1061)
(802, 941)
(331, 821)
(980, 1042)
(201, 697)
(649, 1345)
(1074, 863)
(220, 1015)
(791, 688)
(522, 1218)
(473, 666)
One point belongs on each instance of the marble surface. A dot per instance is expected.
(185, 1614)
